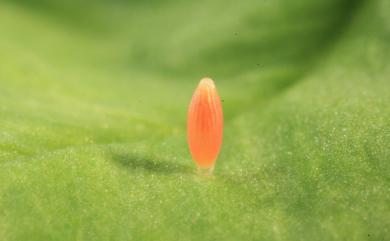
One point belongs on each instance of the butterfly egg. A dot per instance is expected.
(205, 125)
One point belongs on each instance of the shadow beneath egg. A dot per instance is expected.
(135, 162)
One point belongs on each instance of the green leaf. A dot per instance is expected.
(93, 102)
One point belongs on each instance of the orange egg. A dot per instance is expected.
(205, 125)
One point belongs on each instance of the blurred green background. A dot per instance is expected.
(93, 102)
